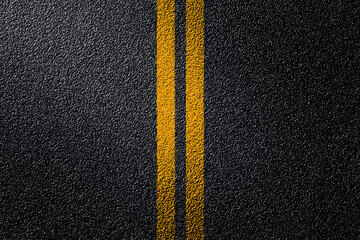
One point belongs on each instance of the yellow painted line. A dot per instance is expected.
(165, 119)
(194, 119)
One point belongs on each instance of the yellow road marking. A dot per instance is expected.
(194, 119)
(165, 119)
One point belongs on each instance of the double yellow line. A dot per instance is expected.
(166, 119)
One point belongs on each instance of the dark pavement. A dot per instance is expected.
(78, 119)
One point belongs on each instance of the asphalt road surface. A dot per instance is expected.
(103, 103)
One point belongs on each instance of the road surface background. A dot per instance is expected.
(78, 119)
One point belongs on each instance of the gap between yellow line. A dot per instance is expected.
(165, 119)
(195, 119)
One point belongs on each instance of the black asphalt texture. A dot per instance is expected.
(78, 119)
